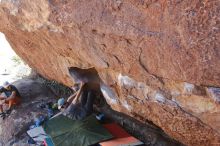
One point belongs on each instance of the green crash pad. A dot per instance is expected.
(67, 132)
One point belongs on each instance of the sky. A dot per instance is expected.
(5, 49)
(6, 53)
(9, 71)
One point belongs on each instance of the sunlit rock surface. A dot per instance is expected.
(158, 60)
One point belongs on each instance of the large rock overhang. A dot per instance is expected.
(158, 60)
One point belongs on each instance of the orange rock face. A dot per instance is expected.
(156, 58)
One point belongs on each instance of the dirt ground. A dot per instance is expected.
(35, 93)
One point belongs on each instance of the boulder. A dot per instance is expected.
(155, 58)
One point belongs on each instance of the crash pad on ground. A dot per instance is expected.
(67, 132)
(121, 137)
(116, 130)
(48, 142)
(37, 134)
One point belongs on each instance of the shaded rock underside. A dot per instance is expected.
(157, 60)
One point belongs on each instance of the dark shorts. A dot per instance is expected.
(82, 109)
(75, 112)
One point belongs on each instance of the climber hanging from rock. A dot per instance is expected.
(80, 104)
(62, 104)
(11, 97)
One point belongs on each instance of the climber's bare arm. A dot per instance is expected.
(70, 99)
(76, 99)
